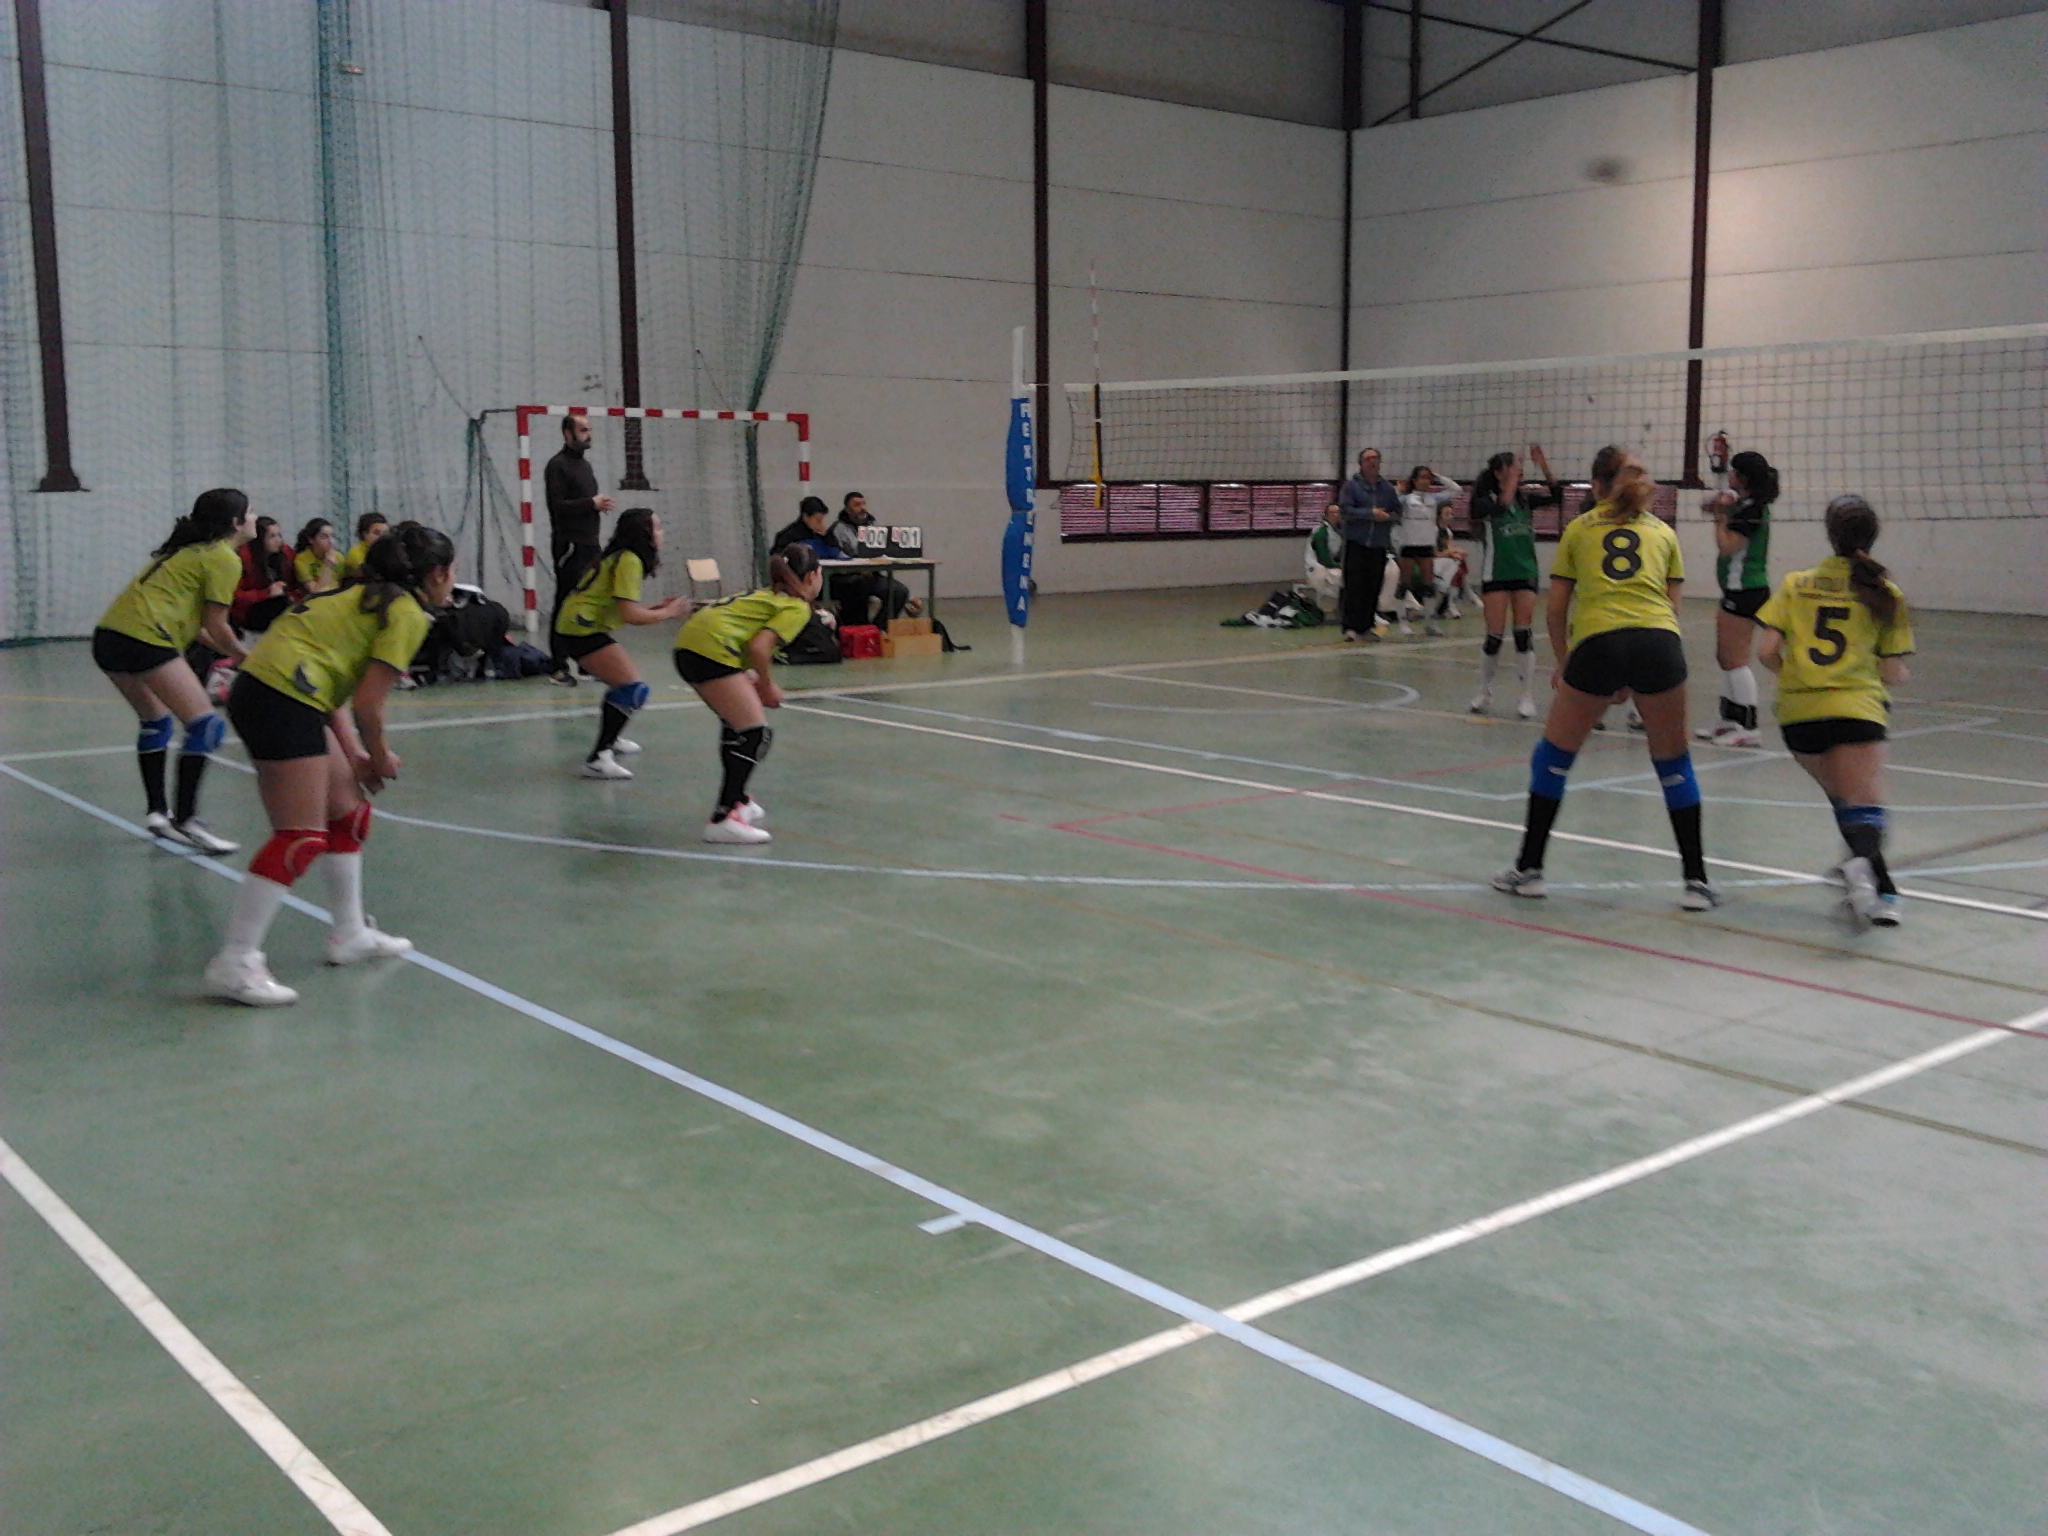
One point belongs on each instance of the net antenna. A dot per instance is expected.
(528, 557)
(1944, 424)
(1095, 361)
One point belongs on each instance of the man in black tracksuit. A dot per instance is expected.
(573, 536)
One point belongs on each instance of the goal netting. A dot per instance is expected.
(1940, 425)
(706, 496)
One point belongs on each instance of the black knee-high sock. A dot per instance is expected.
(1685, 827)
(739, 753)
(191, 769)
(1867, 842)
(152, 766)
(611, 725)
(1536, 831)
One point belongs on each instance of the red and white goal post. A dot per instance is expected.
(528, 557)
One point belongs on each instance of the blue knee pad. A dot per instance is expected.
(1847, 815)
(631, 697)
(203, 736)
(154, 736)
(1548, 766)
(1675, 777)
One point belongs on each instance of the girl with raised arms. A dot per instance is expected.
(1503, 519)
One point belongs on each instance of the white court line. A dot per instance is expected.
(343, 1510)
(808, 1474)
(1795, 876)
(1468, 1437)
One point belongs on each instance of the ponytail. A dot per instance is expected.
(215, 515)
(1488, 483)
(1759, 479)
(1852, 530)
(309, 533)
(1630, 494)
(789, 570)
(401, 562)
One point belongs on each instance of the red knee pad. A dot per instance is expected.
(345, 834)
(288, 855)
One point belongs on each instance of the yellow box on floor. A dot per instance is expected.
(910, 626)
(912, 645)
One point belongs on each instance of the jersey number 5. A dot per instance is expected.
(1624, 555)
(1824, 620)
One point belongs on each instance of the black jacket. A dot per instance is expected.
(571, 486)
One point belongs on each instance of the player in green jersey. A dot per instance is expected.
(1742, 544)
(1503, 519)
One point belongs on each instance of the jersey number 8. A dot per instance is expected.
(1824, 620)
(1623, 557)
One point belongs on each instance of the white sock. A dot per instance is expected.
(344, 893)
(1525, 667)
(1738, 686)
(256, 904)
(1489, 663)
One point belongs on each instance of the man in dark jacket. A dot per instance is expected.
(1371, 507)
(574, 541)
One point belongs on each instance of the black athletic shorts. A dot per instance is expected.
(1523, 584)
(695, 667)
(113, 651)
(1744, 604)
(1810, 738)
(1418, 551)
(274, 727)
(1646, 660)
(576, 647)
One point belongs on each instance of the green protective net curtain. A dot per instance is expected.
(319, 249)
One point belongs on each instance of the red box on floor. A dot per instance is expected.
(857, 642)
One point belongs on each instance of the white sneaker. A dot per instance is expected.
(1742, 736)
(159, 824)
(1405, 627)
(1432, 628)
(605, 766)
(1521, 882)
(197, 834)
(1351, 636)
(1717, 733)
(751, 811)
(1525, 708)
(1889, 912)
(1859, 890)
(1699, 896)
(1453, 613)
(733, 829)
(1635, 720)
(1481, 701)
(625, 748)
(370, 943)
(247, 980)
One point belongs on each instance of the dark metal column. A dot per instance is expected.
(1702, 171)
(58, 475)
(1414, 58)
(635, 478)
(1351, 117)
(1036, 65)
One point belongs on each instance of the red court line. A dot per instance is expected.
(1084, 829)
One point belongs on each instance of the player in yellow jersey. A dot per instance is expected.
(314, 560)
(184, 593)
(1614, 625)
(605, 596)
(725, 652)
(1838, 636)
(309, 707)
(370, 527)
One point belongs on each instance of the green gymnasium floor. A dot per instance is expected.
(885, 1180)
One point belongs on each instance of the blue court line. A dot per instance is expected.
(1502, 1453)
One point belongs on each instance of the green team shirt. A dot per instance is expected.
(593, 608)
(1507, 539)
(1619, 571)
(722, 629)
(166, 604)
(1748, 568)
(318, 651)
(1833, 644)
(1327, 545)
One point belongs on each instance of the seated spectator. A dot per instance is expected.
(316, 567)
(370, 527)
(268, 585)
(1323, 561)
(888, 597)
(812, 528)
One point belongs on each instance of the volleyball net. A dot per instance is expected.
(1947, 424)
